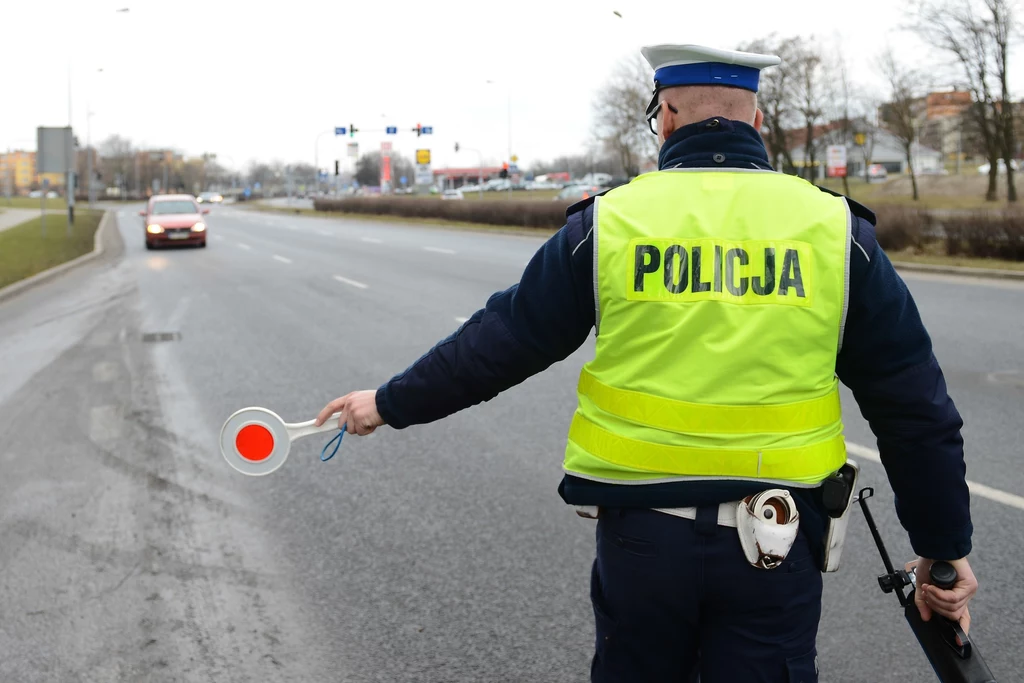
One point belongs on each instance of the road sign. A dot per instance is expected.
(256, 186)
(427, 130)
(46, 182)
(385, 150)
(392, 130)
(423, 174)
(353, 149)
(340, 130)
(835, 157)
(513, 168)
(859, 139)
(255, 441)
(514, 158)
(423, 156)
(402, 180)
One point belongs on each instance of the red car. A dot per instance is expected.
(174, 219)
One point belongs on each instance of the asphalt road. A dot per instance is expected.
(130, 551)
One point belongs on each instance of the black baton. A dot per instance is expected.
(952, 654)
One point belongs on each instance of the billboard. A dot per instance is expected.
(55, 150)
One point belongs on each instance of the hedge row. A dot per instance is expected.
(978, 234)
(527, 213)
(982, 234)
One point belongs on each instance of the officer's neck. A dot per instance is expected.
(716, 142)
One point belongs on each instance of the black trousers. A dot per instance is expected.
(675, 597)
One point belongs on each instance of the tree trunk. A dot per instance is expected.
(1009, 143)
(846, 184)
(913, 176)
(993, 179)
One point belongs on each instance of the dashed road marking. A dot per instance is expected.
(353, 283)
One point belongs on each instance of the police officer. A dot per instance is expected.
(726, 299)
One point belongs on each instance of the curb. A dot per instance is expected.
(961, 271)
(49, 274)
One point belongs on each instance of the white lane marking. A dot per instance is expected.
(995, 495)
(346, 281)
(461, 320)
(104, 423)
(371, 240)
(439, 250)
(104, 371)
(245, 246)
(282, 259)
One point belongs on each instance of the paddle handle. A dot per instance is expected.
(297, 431)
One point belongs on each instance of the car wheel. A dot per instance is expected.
(149, 246)
(202, 245)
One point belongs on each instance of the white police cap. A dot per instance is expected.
(696, 65)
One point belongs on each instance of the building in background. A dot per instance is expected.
(18, 173)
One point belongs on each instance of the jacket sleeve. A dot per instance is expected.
(518, 333)
(887, 361)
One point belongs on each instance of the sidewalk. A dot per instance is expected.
(11, 217)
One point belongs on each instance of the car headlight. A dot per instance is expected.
(199, 227)
(154, 229)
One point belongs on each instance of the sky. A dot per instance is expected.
(261, 81)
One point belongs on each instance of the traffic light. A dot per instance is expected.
(456, 147)
(419, 130)
(351, 130)
(504, 170)
(336, 167)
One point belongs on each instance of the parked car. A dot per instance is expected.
(1000, 168)
(452, 194)
(877, 173)
(174, 219)
(575, 193)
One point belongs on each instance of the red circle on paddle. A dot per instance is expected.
(254, 443)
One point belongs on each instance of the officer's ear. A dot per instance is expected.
(666, 120)
(758, 119)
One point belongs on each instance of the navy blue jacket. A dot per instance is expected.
(886, 360)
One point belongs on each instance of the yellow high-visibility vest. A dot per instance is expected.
(721, 299)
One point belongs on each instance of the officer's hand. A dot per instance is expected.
(951, 603)
(358, 412)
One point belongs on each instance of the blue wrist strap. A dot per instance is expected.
(337, 444)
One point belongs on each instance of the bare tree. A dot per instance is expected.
(1002, 28)
(839, 92)
(618, 115)
(809, 69)
(980, 47)
(776, 97)
(904, 107)
(866, 130)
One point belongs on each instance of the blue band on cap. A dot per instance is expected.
(708, 73)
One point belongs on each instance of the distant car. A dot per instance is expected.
(210, 198)
(52, 195)
(174, 219)
(1000, 168)
(452, 194)
(877, 172)
(35, 194)
(575, 193)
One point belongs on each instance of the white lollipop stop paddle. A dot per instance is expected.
(256, 441)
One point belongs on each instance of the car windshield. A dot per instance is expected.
(180, 206)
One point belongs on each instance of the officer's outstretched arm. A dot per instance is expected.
(519, 332)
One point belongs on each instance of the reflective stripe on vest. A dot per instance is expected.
(721, 299)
